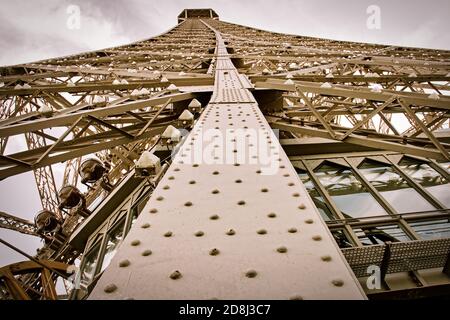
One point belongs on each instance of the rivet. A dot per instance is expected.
(171, 178)
(145, 226)
(261, 231)
(237, 164)
(302, 206)
(124, 263)
(286, 175)
(175, 275)
(135, 243)
(160, 198)
(110, 288)
(272, 215)
(214, 252)
(309, 221)
(282, 167)
(231, 232)
(258, 171)
(214, 217)
(264, 190)
(241, 203)
(296, 298)
(337, 282)
(251, 274)
(146, 253)
(296, 195)
(215, 173)
(192, 182)
(199, 234)
(290, 184)
(282, 249)
(153, 210)
(195, 165)
(326, 258)
(168, 234)
(166, 187)
(292, 230)
(238, 181)
(215, 191)
(317, 238)
(188, 204)
(176, 169)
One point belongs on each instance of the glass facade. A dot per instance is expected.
(370, 191)
(107, 239)
(394, 188)
(351, 197)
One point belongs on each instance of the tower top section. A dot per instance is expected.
(197, 13)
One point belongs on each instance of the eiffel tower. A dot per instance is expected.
(219, 161)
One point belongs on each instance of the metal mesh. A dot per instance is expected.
(362, 257)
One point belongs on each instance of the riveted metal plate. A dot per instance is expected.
(230, 220)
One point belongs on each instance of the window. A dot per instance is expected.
(428, 178)
(114, 238)
(341, 238)
(437, 229)
(320, 203)
(381, 234)
(90, 264)
(394, 188)
(347, 192)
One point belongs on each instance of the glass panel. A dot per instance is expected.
(394, 188)
(89, 264)
(137, 209)
(351, 197)
(432, 229)
(114, 239)
(381, 234)
(320, 203)
(427, 177)
(341, 238)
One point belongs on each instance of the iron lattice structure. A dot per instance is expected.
(115, 103)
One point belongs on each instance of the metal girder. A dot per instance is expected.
(11, 222)
(222, 254)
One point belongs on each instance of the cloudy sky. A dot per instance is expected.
(37, 29)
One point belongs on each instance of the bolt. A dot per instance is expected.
(231, 232)
(146, 253)
(135, 243)
(282, 249)
(110, 288)
(199, 234)
(251, 274)
(175, 275)
(214, 252)
(337, 282)
(124, 263)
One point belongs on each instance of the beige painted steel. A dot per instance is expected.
(231, 227)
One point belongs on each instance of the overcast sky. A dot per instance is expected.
(37, 29)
